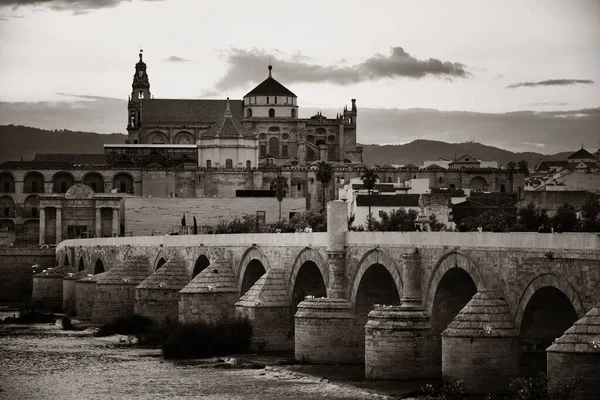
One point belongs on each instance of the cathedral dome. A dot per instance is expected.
(270, 87)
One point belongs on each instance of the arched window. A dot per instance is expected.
(274, 147)
(208, 164)
(249, 113)
(248, 164)
(229, 163)
(502, 188)
(293, 113)
(271, 113)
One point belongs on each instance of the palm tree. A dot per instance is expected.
(324, 175)
(279, 184)
(510, 167)
(523, 166)
(369, 179)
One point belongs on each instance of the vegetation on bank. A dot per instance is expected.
(177, 341)
(532, 388)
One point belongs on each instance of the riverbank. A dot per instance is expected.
(42, 361)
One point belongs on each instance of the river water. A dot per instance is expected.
(44, 362)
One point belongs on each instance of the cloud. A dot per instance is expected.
(551, 82)
(549, 103)
(246, 65)
(77, 6)
(86, 96)
(176, 59)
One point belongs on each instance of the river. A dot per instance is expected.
(42, 361)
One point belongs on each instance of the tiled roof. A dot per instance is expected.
(171, 276)
(582, 337)
(389, 200)
(227, 126)
(582, 154)
(33, 165)
(133, 271)
(270, 87)
(270, 290)
(218, 277)
(70, 158)
(486, 315)
(187, 111)
(546, 165)
(466, 159)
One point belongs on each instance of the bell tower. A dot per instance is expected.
(140, 90)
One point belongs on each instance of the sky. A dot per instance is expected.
(70, 63)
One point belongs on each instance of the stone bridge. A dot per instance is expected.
(392, 300)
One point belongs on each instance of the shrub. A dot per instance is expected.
(537, 388)
(128, 325)
(448, 390)
(201, 340)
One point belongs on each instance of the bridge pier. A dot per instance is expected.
(480, 346)
(398, 341)
(267, 305)
(324, 329)
(48, 288)
(210, 296)
(577, 354)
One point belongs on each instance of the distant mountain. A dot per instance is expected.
(18, 141)
(418, 151)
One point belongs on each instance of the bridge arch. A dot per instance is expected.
(371, 258)
(98, 267)
(547, 308)
(256, 263)
(453, 259)
(202, 262)
(81, 266)
(305, 255)
(159, 260)
(548, 280)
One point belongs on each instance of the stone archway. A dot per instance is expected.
(453, 259)
(375, 257)
(202, 262)
(98, 267)
(253, 253)
(159, 261)
(307, 254)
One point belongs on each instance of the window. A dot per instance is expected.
(135, 141)
(502, 188)
(271, 112)
(254, 100)
(284, 150)
(275, 99)
(199, 178)
(248, 164)
(293, 113)
(229, 163)
(267, 99)
(34, 187)
(274, 147)
(63, 187)
(34, 212)
(7, 186)
(299, 186)
(249, 113)
(208, 164)
(262, 151)
(261, 217)
(123, 186)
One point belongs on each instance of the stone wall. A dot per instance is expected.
(551, 200)
(16, 272)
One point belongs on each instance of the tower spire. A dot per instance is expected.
(228, 113)
(141, 54)
(270, 68)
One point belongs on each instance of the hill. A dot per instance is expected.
(417, 151)
(18, 141)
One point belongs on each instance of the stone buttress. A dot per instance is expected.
(267, 305)
(85, 295)
(48, 288)
(324, 327)
(70, 292)
(480, 346)
(398, 341)
(210, 296)
(157, 297)
(115, 290)
(576, 354)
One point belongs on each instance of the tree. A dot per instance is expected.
(396, 221)
(195, 226)
(523, 166)
(565, 218)
(279, 184)
(531, 218)
(324, 175)
(591, 215)
(369, 179)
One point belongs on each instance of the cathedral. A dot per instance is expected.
(262, 127)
